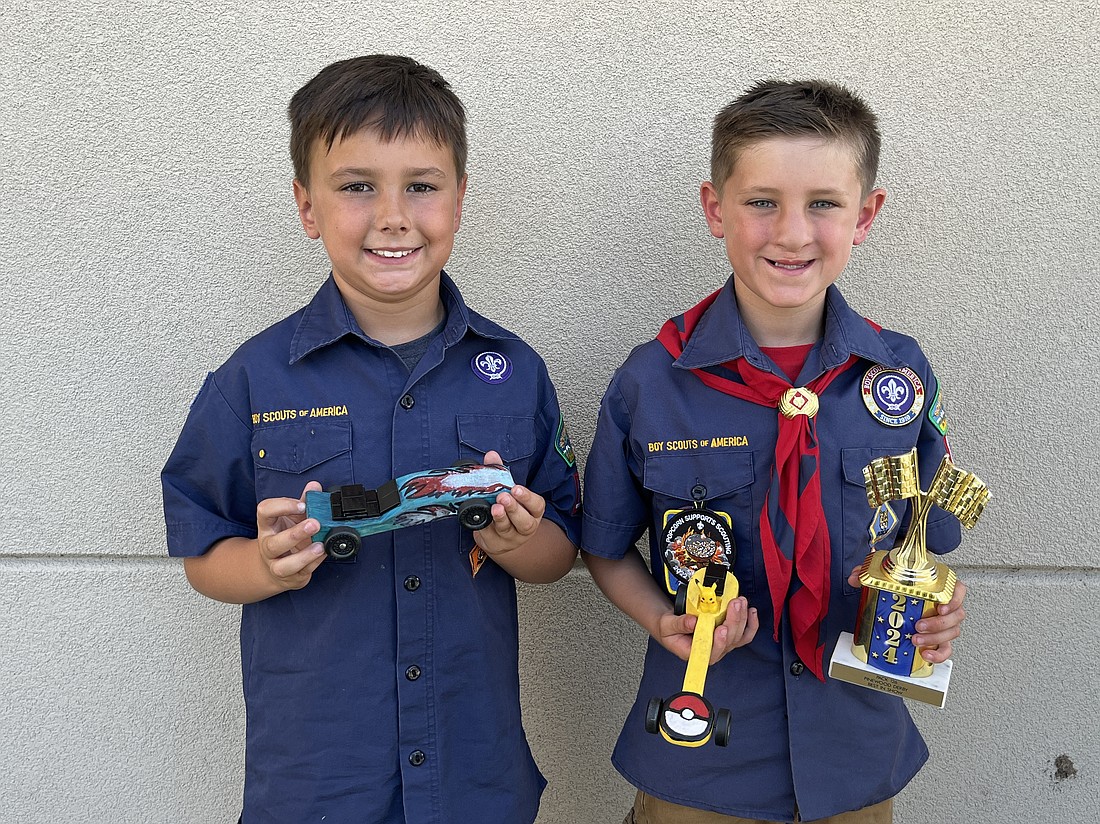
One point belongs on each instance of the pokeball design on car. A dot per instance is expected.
(687, 716)
(351, 511)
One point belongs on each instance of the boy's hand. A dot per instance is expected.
(937, 631)
(516, 517)
(675, 632)
(283, 534)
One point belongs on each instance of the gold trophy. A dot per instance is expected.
(903, 585)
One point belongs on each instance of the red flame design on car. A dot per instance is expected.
(461, 481)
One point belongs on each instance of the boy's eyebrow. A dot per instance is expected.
(769, 190)
(358, 171)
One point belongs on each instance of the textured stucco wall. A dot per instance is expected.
(149, 228)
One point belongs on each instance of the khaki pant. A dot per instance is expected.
(650, 810)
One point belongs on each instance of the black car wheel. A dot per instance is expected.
(653, 716)
(723, 719)
(342, 544)
(680, 606)
(474, 515)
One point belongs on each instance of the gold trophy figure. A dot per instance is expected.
(903, 585)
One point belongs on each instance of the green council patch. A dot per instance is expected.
(937, 414)
(564, 447)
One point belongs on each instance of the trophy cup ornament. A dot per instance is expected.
(903, 584)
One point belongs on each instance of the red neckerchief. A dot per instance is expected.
(793, 532)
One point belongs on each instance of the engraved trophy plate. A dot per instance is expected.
(902, 585)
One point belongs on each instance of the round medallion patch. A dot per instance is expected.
(894, 397)
(492, 367)
(695, 538)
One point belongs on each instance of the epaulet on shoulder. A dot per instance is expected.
(873, 325)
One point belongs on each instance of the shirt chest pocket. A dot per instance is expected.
(287, 456)
(724, 481)
(511, 436)
(857, 512)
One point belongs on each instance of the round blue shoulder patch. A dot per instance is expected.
(492, 367)
(894, 397)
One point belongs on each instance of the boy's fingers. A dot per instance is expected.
(304, 561)
(938, 628)
(531, 502)
(510, 512)
(957, 598)
(296, 538)
(853, 577)
(738, 629)
(270, 510)
(938, 654)
(493, 457)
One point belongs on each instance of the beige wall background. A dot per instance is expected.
(149, 228)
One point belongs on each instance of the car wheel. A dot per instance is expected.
(474, 515)
(681, 604)
(723, 719)
(653, 716)
(342, 544)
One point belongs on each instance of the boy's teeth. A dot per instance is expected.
(389, 254)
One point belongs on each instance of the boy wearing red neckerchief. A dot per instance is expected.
(760, 407)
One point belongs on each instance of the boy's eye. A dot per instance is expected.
(761, 204)
(356, 187)
(421, 188)
(823, 204)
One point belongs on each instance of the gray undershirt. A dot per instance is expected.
(411, 352)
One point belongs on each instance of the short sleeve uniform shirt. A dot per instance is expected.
(386, 689)
(662, 437)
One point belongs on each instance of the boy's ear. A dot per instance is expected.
(458, 204)
(305, 210)
(712, 208)
(867, 213)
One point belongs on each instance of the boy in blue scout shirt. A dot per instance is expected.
(718, 415)
(385, 689)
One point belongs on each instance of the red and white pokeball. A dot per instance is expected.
(687, 717)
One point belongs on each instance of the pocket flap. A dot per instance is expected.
(855, 458)
(298, 447)
(722, 473)
(511, 436)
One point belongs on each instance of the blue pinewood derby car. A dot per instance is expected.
(351, 511)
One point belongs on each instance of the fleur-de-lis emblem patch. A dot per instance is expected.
(894, 397)
(492, 367)
(894, 393)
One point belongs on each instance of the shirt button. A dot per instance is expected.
(698, 492)
(417, 758)
(412, 583)
(413, 672)
(796, 668)
(407, 402)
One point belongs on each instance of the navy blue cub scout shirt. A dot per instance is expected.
(796, 742)
(386, 690)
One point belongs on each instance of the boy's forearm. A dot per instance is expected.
(628, 584)
(544, 558)
(231, 571)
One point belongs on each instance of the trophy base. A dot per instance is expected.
(930, 689)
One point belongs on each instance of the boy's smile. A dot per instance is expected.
(387, 212)
(790, 214)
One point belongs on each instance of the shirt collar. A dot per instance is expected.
(326, 319)
(720, 336)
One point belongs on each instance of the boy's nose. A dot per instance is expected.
(392, 214)
(793, 230)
